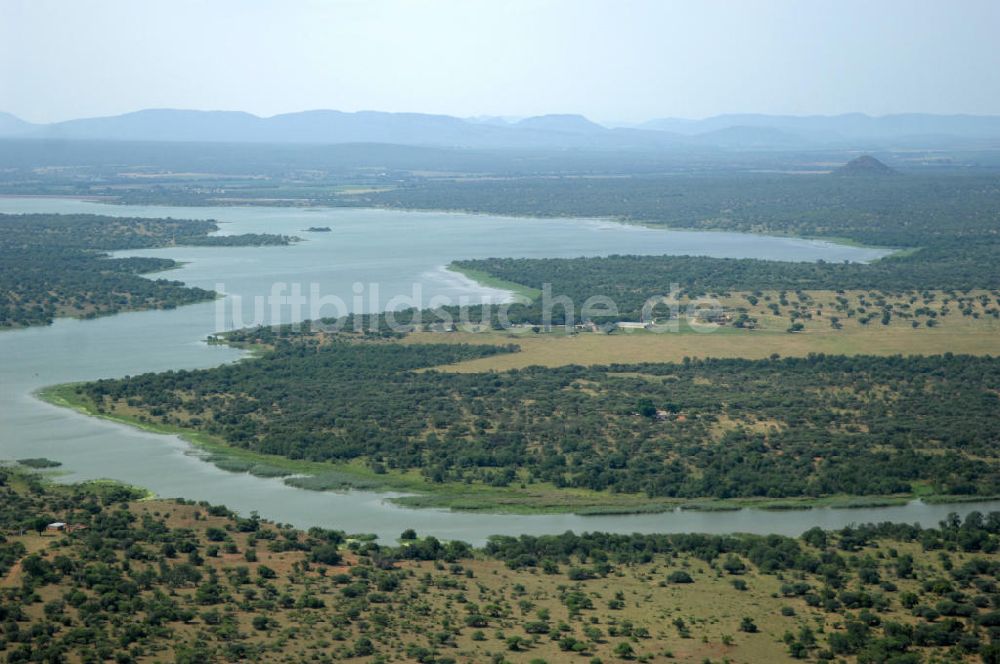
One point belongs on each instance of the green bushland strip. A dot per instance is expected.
(321, 476)
(327, 476)
(221, 454)
(475, 496)
(318, 476)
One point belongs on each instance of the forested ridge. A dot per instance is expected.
(732, 428)
(907, 211)
(128, 581)
(53, 265)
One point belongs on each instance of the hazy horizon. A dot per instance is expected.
(611, 62)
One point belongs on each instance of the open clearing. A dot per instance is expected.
(974, 333)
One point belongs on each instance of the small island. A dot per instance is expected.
(318, 229)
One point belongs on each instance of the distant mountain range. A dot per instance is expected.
(11, 125)
(540, 132)
(841, 127)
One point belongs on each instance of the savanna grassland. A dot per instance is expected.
(150, 580)
(756, 326)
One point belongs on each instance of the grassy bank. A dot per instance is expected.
(489, 281)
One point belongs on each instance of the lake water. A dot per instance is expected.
(397, 251)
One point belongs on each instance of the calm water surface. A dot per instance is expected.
(395, 250)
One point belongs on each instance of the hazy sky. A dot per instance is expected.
(610, 60)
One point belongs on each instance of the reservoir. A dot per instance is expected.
(391, 254)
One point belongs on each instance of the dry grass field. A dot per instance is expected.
(961, 324)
